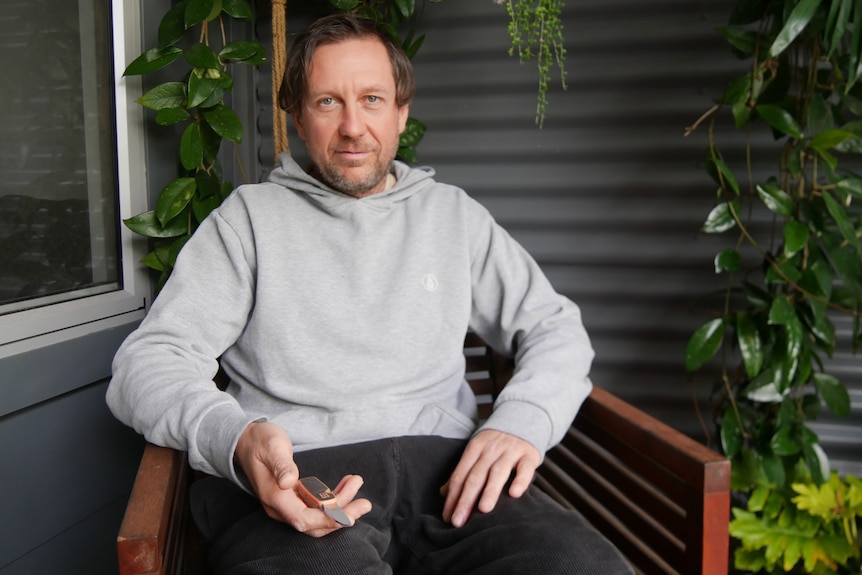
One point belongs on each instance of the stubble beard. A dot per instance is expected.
(337, 177)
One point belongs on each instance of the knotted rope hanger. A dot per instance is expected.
(279, 57)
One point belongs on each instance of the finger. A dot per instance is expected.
(347, 489)
(452, 489)
(524, 473)
(499, 474)
(464, 501)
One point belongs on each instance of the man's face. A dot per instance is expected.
(350, 120)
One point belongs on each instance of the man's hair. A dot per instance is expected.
(331, 30)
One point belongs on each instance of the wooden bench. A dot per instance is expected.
(662, 498)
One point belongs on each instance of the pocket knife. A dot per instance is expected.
(316, 494)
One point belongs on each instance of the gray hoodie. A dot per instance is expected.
(343, 319)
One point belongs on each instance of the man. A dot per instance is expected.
(337, 302)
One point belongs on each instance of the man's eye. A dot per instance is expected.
(372, 99)
(327, 101)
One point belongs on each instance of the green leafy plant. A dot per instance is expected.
(197, 100)
(809, 528)
(795, 263)
(536, 31)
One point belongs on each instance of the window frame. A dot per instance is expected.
(39, 327)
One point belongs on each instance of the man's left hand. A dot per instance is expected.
(483, 471)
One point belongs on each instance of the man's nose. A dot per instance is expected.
(352, 121)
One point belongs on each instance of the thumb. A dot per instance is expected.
(283, 468)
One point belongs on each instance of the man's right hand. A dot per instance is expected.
(265, 454)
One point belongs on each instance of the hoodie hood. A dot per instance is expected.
(409, 181)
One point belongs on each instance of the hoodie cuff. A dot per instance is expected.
(522, 419)
(217, 437)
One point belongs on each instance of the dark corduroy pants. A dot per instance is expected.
(404, 532)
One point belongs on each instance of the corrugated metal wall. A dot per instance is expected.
(609, 196)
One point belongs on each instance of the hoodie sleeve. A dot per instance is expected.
(162, 384)
(517, 311)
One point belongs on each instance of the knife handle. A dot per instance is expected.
(315, 492)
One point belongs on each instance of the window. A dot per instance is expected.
(71, 167)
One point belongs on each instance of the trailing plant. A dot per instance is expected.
(536, 31)
(794, 264)
(196, 100)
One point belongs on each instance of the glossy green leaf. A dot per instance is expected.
(173, 25)
(171, 116)
(839, 214)
(201, 56)
(727, 260)
(722, 175)
(823, 328)
(225, 123)
(203, 82)
(855, 61)
(239, 9)
(851, 185)
(151, 260)
(795, 237)
(214, 99)
(780, 119)
(785, 443)
(738, 94)
(163, 96)
(406, 7)
(814, 461)
(783, 272)
(830, 160)
(413, 133)
(731, 433)
(741, 38)
(776, 199)
(750, 345)
(834, 393)
(721, 218)
(175, 248)
(202, 207)
(763, 388)
(830, 138)
(197, 11)
(147, 225)
(152, 60)
(837, 22)
(241, 51)
(773, 468)
(820, 118)
(191, 150)
(208, 184)
(795, 24)
(785, 356)
(787, 415)
(174, 198)
(412, 47)
(704, 344)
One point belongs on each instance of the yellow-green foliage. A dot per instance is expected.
(817, 528)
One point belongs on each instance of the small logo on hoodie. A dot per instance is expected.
(430, 283)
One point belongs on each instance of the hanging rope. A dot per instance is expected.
(279, 57)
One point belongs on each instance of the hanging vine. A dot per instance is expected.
(536, 30)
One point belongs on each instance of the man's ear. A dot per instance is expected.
(403, 114)
(297, 121)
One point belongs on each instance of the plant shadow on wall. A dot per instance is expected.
(775, 332)
(196, 100)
